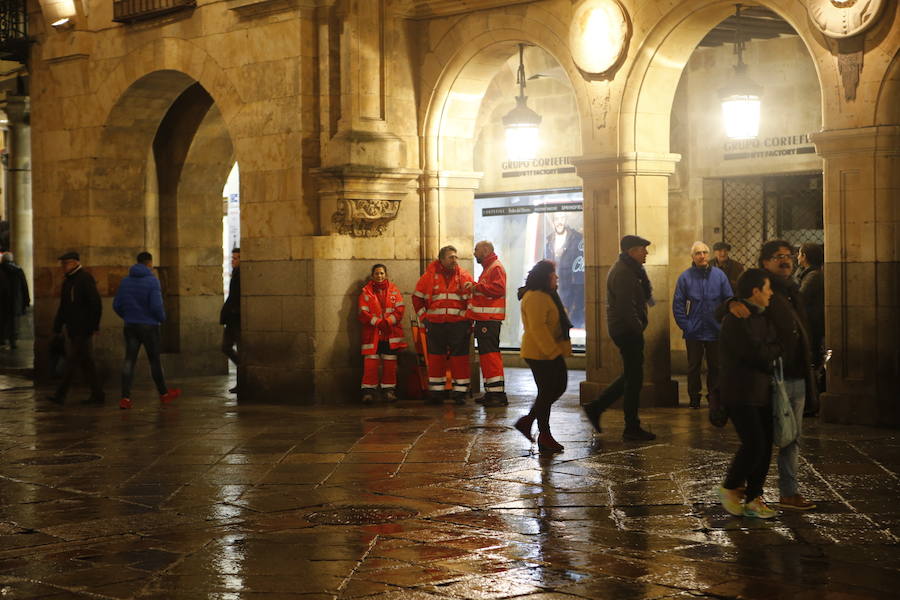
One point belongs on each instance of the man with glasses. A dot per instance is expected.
(787, 312)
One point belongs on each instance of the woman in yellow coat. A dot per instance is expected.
(545, 343)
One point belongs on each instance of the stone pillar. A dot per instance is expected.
(447, 203)
(627, 195)
(862, 273)
(18, 185)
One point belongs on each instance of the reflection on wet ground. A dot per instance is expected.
(209, 499)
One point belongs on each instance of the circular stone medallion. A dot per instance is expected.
(598, 35)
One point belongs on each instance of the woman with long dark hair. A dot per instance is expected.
(545, 343)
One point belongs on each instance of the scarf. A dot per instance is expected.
(639, 270)
(380, 288)
(564, 323)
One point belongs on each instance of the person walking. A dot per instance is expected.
(381, 310)
(230, 315)
(79, 314)
(787, 312)
(811, 278)
(698, 292)
(487, 309)
(139, 302)
(732, 268)
(19, 297)
(628, 294)
(748, 349)
(545, 344)
(6, 305)
(441, 302)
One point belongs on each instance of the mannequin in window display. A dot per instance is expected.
(565, 247)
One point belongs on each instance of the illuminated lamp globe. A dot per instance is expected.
(741, 106)
(522, 133)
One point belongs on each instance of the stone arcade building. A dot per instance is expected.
(354, 124)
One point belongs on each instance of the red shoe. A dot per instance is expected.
(169, 396)
(546, 443)
(125, 403)
(524, 426)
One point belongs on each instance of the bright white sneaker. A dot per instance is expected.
(731, 501)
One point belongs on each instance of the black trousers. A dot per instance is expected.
(231, 342)
(696, 349)
(148, 337)
(629, 383)
(551, 378)
(750, 464)
(80, 352)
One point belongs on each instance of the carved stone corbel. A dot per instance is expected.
(363, 200)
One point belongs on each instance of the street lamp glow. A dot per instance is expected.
(522, 142)
(740, 115)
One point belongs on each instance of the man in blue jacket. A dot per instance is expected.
(698, 292)
(139, 303)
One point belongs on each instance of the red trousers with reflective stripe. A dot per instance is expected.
(443, 339)
(388, 367)
(487, 334)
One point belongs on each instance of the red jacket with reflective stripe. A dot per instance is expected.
(441, 301)
(488, 301)
(372, 314)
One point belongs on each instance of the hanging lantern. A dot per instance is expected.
(521, 123)
(740, 97)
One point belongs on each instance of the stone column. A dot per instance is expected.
(627, 195)
(18, 190)
(862, 273)
(447, 202)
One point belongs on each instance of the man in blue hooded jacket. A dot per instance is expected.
(699, 291)
(139, 303)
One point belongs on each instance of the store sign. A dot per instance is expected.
(785, 145)
(550, 165)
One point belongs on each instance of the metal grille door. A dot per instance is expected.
(756, 209)
(743, 218)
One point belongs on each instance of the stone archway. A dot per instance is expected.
(456, 74)
(156, 184)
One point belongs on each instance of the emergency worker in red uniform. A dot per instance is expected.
(381, 314)
(441, 301)
(487, 309)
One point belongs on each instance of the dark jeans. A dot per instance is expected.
(750, 464)
(629, 382)
(80, 352)
(695, 351)
(135, 337)
(231, 342)
(551, 378)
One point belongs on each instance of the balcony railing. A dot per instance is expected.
(128, 11)
(13, 30)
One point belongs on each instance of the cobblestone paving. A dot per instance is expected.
(210, 499)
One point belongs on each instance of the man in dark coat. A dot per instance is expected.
(628, 293)
(139, 302)
(79, 313)
(732, 268)
(230, 315)
(565, 247)
(19, 298)
(787, 312)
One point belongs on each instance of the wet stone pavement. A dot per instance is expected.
(210, 499)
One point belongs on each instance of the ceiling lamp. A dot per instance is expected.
(521, 123)
(740, 96)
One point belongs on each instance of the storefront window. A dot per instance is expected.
(526, 227)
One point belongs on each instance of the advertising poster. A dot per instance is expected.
(529, 227)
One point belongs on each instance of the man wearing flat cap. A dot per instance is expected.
(628, 294)
(732, 268)
(79, 313)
